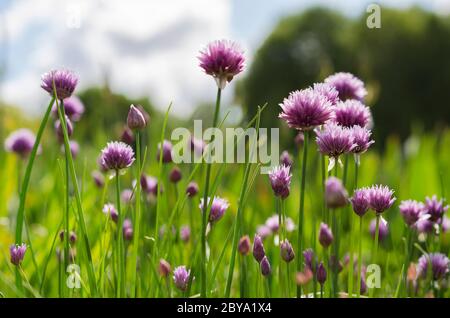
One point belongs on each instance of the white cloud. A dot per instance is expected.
(146, 47)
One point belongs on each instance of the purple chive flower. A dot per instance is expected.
(321, 274)
(435, 208)
(285, 159)
(280, 180)
(218, 208)
(289, 224)
(175, 175)
(116, 156)
(72, 236)
(445, 224)
(17, 252)
(328, 91)
(127, 229)
(20, 142)
(59, 129)
(185, 233)
(305, 109)
(439, 266)
(166, 152)
(348, 86)
(181, 277)
(127, 136)
(325, 235)
(73, 108)
(424, 224)
(74, 148)
(361, 139)
(360, 201)
(150, 185)
(244, 245)
(263, 231)
(192, 189)
(64, 82)
(197, 145)
(309, 257)
(164, 268)
(380, 198)
(110, 209)
(98, 178)
(299, 139)
(265, 266)
(135, 119)
(272, 223)
(334, 140)
(258, 249)
(335, 193)
(352, 113)
(287, 252)
(383, 230)
(411, 211)
(126, 196)
(222, 60)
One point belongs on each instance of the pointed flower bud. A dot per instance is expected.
(135, 119)
(287, 252)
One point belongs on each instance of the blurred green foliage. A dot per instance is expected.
(405, 65)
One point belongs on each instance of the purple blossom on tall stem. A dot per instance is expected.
(287, 252)
(285, 159)
(309, 258)
(258, 248)
(348, 86)
(117, 156)
(336, 195)
(59, 129)
(280, 180)
(266, 270)
(244, 245)
(192, 189)
(149, 185)
(361, 139)
(380, 198)
(175, 175)
(64, 81)
(73, 108)
(411, 211)
(20, 142)
(325, 235)
(321, 274)
(360, 201)
(435, 208)
(110, 209)
(223, 60)
(334, 140)
(135, 119)
(127, 196)
(127, 229)
(439, 266)
(383, 229)
(166, 152)
(264, 231)
(328, 91)
(185, 233)
(218, 208)
(305, 109)
(352, 113)
(127, 136)
(17, 253)
(74, 148)
(98, 178)
(181, 277)
(164, 268)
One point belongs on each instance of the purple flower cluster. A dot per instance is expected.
(63, 81)
(20, 142)
(280, 180)
(336, 195)
(334, 140)
(272, 225)
(223, 60)
(380, 198)
(181, 277)
(325, 235)
(73, 108)
(439, 266)
(352, 113)
(218, 208)
(348, 86)
(17, 253)
(116, 156)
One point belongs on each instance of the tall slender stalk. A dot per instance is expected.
(205, 204)
(351, 267)
(137, 217)
(375, 246)
(238, 220)
(26, 182)
(121, 250)
(73, 175)
(359, 257)
(301, 208)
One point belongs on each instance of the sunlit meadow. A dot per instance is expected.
(118, 218)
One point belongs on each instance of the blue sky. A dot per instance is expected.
(145, 48)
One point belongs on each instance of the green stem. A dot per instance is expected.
(301, 208)
(137, 217)
(237, 223)
(351, 267)
(25, 184)
(121, 253)
(359, 257)
(375, 247)
(73, 175)
(205, 204)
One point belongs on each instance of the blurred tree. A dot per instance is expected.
(405, 65)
